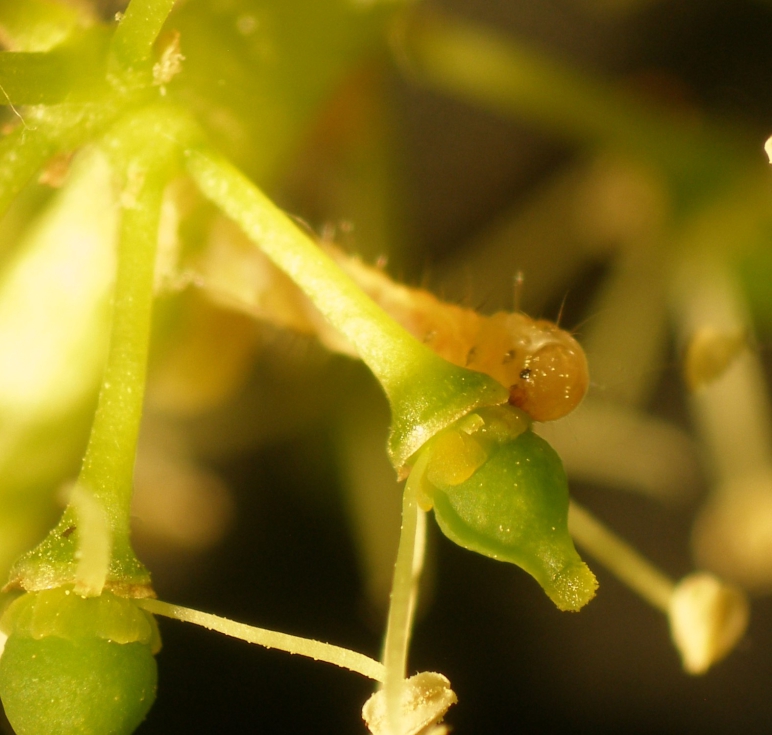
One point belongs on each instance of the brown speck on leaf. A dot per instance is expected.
(56, 170)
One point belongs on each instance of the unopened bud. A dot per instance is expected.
(707, 619)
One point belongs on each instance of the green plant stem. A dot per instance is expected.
(620, 558)
(132, 44)
(426, 393)
(107, 472)
(388, 349)
(404, 589)
(109, 461)
(342, 657)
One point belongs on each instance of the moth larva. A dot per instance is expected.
(542, 365)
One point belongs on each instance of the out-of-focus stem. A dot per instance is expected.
(133, 41)
(734, 416)
(513, 78)
(707, 617)
(620, 558)
(732, 534)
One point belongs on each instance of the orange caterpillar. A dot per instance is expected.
(543, 366)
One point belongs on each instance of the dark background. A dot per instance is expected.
(516, 663)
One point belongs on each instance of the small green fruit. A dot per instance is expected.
(514, 507)
(77, 665)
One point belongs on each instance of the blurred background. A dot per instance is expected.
(623, 174)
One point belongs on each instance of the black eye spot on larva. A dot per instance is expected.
(509, 356)
(68, 531)
(470, 356)
(525, 374)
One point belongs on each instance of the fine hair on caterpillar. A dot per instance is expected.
(542, 365)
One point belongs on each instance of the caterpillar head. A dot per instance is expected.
(543, 366)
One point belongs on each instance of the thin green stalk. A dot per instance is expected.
(388, 349)
(342, 657)
(109, 460)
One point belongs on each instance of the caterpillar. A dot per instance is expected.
(542, 365)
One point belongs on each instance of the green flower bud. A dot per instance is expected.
(512, 502)
(77, 665)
